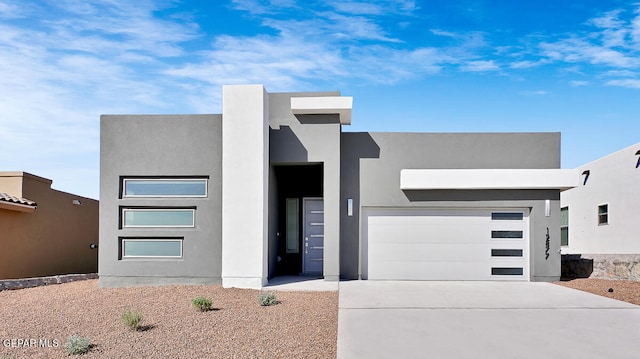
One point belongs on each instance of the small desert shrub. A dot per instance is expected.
(267, 298)
(77, 345)
(202, 304)
(131, 319)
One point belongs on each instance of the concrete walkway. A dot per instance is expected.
(482, 320)
(300, 283)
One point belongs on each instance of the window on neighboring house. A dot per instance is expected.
(603, 214)
(164, 187)
(151, 247)
(564, 226)
(158, 217)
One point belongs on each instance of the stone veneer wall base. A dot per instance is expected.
(11, 284)
(603, 266)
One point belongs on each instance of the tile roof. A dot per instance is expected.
(4, 197)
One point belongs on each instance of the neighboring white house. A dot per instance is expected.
(600, 217)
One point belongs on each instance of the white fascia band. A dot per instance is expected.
(472, 179)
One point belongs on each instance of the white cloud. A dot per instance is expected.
(472, 39)
(635, 28)
(287, 62)
(12, 9)
(323, 46)
(373, 7)
(610, 43)
(59, 75)
(527, 64)
(357, 8)
(610, 20)
(619, 73)
(276, 61)
(571, 70)
(341, 27)
(534, 93)
(628, 83)
(578, 83)
(440, 32)
(480, 66)
(255, 7)
(579, 50)
(283, 3)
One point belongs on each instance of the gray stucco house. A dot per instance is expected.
(272, 186)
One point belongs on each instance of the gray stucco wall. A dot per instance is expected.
(371, 164)
(311, 139)
(160, 145)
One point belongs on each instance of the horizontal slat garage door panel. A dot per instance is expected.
(432, 252)
(428, 271)
(440, 244)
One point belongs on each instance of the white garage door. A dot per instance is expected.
(445, 244)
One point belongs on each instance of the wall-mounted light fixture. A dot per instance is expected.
(586, 174)
(547, 208)
(638, 163)
(93, 246)
(350, 207)
(76, 202)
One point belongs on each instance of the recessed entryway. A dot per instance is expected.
(296, 190)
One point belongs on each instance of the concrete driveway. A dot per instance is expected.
(380, 319)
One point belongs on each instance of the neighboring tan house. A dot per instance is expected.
(272, 186)
(600, 217)
(43, 231)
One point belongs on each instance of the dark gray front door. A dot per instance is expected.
(313, 241)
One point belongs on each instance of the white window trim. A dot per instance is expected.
(125, 195)
(124, 240)
(193, 217)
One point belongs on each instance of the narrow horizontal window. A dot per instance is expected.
(164, 187)
(506, 252)
(507, 216)
(151, 248)
(157, 217)
(506, 234)
(507, 271)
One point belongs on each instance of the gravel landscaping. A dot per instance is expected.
(36, 322)
(301, 325)
(624, 290)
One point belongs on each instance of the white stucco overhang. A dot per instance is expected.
(484, 179)
(324, 105)
(17, 207)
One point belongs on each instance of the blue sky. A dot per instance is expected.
(431, 66)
